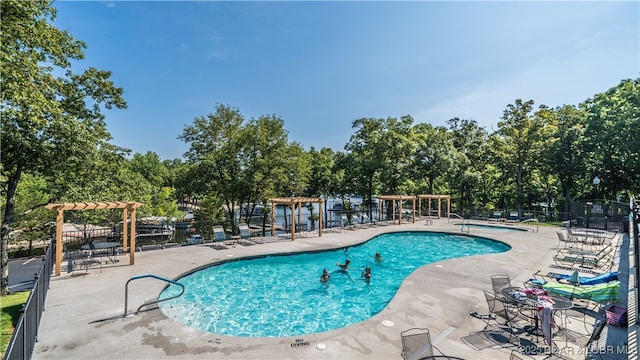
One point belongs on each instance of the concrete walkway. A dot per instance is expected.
(83, 317)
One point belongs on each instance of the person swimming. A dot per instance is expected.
(344, 266)
(367, 274)
(378, 258)
(325, 276)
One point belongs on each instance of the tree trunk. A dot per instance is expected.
(7, 222)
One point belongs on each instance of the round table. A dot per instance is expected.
(559, 302)
(531, 301)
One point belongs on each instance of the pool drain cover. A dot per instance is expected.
(321, 346)
(387, 323)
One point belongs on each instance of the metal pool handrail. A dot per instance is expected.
(454, 215)
(126, 291)
(531, 220)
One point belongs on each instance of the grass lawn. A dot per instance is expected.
(9, 313)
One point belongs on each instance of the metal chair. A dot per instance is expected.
(585, 341)
(499, 282)
(498, 308)
(416, 344)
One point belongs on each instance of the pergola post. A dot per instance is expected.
(59, 227)
(273, 219)
(293, 221)
(125, 230)
(413, 210)
(132, 238)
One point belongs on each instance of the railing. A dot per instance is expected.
(454, 215)
(126, 291)
(531, 221)
(25, 334)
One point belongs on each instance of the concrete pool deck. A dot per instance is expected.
(83, 316)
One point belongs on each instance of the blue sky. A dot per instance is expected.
(321, 65)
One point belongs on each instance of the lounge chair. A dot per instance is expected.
(346, 224)
(219, 235)
(245, 232)
(497, 217)
(582, 280)
(513, 217)
(366, 221)
(603, 293)
(602, 260)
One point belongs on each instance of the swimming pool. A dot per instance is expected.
(281, 295)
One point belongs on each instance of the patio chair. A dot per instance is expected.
(345, 222)
(219, 235)
(245, 232)
(500, 282)
(603, 260)
(497, 217)
(573, 251)
(565, 242)
(585, 341)
(416, 344)
(366, 221)
(513, 217)
(541, 278)
(602, 293)
(499, 309)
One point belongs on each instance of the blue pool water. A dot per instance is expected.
(282, 295)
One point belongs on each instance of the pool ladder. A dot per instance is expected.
(454, 215)
(126, 291)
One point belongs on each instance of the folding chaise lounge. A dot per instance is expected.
(245, 232)
(582, 280)
(601, 260)
(603, 293)
(220, 236)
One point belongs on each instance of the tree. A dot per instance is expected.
(433, 158)
(241, 163)
(322, 176)
(516, 145)
(50, 125)
(564, 154)
(613, 139)
(471, 173)
(379, 155)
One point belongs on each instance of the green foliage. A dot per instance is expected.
(10, 306)
(51, 125)
(613, 140)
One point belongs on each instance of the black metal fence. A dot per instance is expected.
(26, 331)
(611, 216)
(635, 239)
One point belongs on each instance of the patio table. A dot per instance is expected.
(109, 246)
(531, 301)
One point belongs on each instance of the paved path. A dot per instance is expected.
(83, 317)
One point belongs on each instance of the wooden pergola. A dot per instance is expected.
(293, 201)
(430, 197)
(126, 206)
(393, 199)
